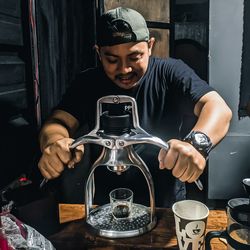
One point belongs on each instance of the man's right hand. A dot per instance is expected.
(58, 155)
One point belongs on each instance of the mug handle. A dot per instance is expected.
(214, 234)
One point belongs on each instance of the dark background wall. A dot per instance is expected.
(244, 105)
(17, 121)
(65, 32)
(62, 34)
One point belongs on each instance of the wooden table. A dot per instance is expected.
(75, 235)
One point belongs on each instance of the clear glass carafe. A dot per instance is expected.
(237, 233)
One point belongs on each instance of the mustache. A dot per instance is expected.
(131, 74)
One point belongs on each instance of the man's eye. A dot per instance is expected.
(134, 59)
(111, 60)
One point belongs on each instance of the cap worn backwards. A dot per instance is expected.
(121, 25)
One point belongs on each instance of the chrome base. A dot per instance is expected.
(104, 224)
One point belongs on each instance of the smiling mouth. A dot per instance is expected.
(125, 78)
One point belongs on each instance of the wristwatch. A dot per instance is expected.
(200, 141)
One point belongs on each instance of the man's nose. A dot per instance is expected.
(125, 67)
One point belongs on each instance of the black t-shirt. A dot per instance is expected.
(165, 96)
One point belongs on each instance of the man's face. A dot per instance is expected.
(125, 64)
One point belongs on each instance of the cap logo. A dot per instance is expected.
(122, 34)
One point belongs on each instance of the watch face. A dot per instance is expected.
(201, 139)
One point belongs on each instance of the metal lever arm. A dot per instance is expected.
(142, 138)
(95, 139)
(147, 138)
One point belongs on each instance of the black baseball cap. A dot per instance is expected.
(121, 25)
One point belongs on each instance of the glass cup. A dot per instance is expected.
(121, 200)
(190, 223)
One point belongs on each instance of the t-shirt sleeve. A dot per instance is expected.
(185, 90)
(186, 86)
(188, 82)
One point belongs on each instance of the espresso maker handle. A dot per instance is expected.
(142, 138)
(147, 138)
(93, 138)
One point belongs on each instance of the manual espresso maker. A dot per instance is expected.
(117, 130)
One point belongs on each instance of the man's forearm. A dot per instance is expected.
(50, 133)
(60, 125)
(214, 119)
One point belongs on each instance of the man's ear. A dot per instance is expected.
(151, 42)
(97, 49)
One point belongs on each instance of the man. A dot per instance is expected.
(167, 92)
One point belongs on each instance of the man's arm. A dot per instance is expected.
(55, 139)
(214, 116)
(58, 126)
(183, 159)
